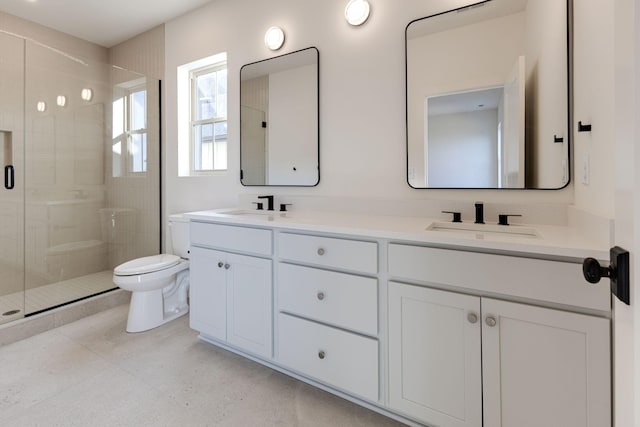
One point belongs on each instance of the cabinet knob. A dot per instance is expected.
(320, 296)
(227, 266)
(321, 354)
(472, 317)
(491, 321)
(220, 264)
(320, 251)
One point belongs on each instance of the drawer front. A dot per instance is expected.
(229, 237)
(330, 252)
(551, 281)
(339, 299)
(337, 358)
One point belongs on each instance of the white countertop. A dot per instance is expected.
(552, 242)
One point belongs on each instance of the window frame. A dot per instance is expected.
(125, 139)
(193, 121)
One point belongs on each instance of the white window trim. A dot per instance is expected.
(184, 114)
(193, 75)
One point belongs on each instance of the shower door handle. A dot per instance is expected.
(9, 177)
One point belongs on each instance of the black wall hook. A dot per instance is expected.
(583, 128)
(557, 139)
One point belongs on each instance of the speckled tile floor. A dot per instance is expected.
(91, 373)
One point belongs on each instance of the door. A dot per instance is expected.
(208, 292)
(254, 146)
(559, 360)
(249, 304)
(626, 123)
(434, 355)
(12, 190)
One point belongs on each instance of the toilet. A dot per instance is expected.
(158, 283)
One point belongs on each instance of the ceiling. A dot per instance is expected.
(104, 22)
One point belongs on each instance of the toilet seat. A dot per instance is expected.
(146, 265)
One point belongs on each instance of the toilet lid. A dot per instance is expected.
(146, 264)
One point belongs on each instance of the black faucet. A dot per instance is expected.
(479, 213)
(269, 201)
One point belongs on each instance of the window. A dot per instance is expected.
(202, 116)
(129, 144)
(209, 119)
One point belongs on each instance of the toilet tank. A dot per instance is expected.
(179, 232)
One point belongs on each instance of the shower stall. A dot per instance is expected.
(80, 153)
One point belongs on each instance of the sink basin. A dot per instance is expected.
(255, 212)
(482, 230)
(248, 212)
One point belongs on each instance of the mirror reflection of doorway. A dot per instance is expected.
(254, 146)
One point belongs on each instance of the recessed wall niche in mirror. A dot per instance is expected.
(279, 120)
(488, 96)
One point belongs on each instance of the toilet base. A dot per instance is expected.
(146, 311)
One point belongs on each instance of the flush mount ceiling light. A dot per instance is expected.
(86, 94)
(61, 100)
(41, 106)
(274, 38)
(357, 12)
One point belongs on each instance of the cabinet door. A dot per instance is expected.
(249, 304)
(208, 292)
(544, 367)
(434, 356)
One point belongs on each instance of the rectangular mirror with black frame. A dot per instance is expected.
(279, 120)
(488, 96)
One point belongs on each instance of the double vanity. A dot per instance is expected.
(426, 321)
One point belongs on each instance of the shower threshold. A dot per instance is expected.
(48, 297)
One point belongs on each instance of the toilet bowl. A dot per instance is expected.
(158, 284)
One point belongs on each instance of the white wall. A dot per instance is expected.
(463, 150)
(594, 103)
(362, 98)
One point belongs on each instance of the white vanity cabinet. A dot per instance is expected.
(459, 337)
(328, 319)
(557, 359)
(454, 357)
(435, 355)
(231, 293)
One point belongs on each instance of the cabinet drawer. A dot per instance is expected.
(330, 252)
(241, 239)
(340, 299)
(543, 280)
(338, 358)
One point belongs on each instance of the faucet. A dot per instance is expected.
(269, 201)
(479, 213)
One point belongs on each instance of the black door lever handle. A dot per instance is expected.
(9, 177)
(593, 271)
(618, 272)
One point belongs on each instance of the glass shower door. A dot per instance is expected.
(12, 299)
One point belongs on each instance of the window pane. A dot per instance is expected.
(202, 147)
(138, 152)
(116, 152)
(138, 110)
(205, 102)
(220, 146)
(221, 98)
